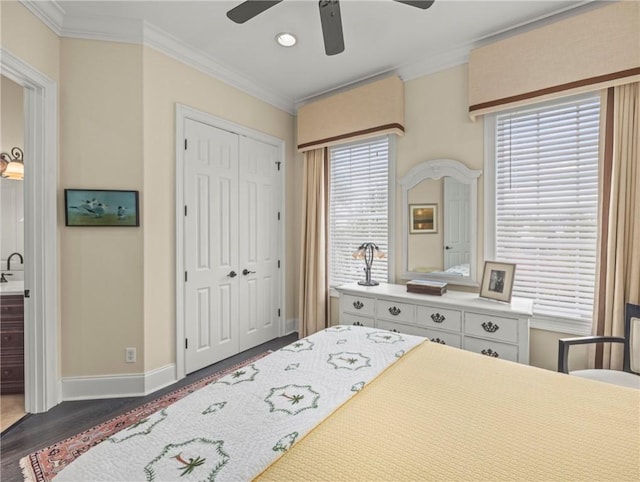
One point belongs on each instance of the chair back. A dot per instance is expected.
(632, 339)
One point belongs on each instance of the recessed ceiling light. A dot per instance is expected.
(286, 39)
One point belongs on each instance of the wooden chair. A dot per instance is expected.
(630, 374)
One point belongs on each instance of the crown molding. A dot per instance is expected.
(435, 63)
(50, 13)
(144, 33)
(107, 29)
(169, 45)
(139, 32)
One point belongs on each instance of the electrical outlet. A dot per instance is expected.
(130, 355)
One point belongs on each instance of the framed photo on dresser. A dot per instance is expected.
(497, 281)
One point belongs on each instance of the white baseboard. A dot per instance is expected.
(118, 386)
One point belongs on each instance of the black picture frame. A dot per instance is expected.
(101, 208)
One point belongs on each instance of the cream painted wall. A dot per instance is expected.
(438, 126)
(29, 39)
(101, 269)
(167, 82)
(103, 276)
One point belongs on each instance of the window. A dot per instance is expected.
(546, 202)
(358, 207)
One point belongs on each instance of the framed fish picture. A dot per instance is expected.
(101, 207)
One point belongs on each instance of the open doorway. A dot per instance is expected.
(41, 375)
(11, 253)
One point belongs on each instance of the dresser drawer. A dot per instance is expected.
(12, 372)
(401, 328)
(444, 338)
(349, 319)
(493, 327)
(395, 311)
(361, 305)
(11, 340)
(439, 318)
(11, 379)
(491, 348)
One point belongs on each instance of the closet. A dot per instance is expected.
(232, 288)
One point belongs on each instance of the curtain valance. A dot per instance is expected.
(369, 110)
(597, 49)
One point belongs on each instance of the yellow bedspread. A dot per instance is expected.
(445, 414)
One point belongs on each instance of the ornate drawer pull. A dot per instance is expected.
(490, 327)
(358, 305)
(357, 323)
(395, 311)
(437, 317)
(490, 352)
(438, 340)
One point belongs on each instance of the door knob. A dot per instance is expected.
(447, 247)
(246, 272)
(232, 274)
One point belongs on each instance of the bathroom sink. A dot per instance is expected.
(12, 288)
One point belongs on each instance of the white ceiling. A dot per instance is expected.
(381, 36)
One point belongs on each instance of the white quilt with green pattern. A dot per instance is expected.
(237, 426)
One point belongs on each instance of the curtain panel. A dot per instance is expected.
(313, 307)
(618, 264)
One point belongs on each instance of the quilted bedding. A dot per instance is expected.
(237, 426)
(445, 414)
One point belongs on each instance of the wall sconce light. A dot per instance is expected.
(368, 251)
(12, 165)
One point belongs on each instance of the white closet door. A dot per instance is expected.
(457, 240)
(259, 239)
(211, 245)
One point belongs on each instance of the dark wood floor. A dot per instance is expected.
(69, 418)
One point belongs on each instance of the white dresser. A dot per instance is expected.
(458, 319)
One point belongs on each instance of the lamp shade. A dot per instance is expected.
(12, 165)
(14, 170)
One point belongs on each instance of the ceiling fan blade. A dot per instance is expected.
(331, 26)
(423, 4)
(249, 9)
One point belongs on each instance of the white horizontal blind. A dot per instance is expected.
(358, 208)
(546, 204)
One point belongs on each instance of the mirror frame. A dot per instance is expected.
(437, 169)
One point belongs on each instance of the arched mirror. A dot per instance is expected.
(439, 222)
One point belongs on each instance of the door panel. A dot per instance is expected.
(211, 240)
(259, 242)
(456, 223)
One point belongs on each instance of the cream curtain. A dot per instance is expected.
(313, 297)
(618, 271)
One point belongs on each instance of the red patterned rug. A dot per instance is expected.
(44, 464)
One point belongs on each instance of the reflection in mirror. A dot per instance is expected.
(447, 252)
(457, 244)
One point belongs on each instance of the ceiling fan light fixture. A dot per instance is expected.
(286, 39)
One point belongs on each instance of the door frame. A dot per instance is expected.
(42, 378)
(184, 112)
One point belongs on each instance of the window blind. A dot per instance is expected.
(547, 202)
(358, 207)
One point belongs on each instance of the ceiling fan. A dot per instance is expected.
(329, 18)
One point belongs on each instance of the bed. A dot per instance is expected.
(357, 403)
